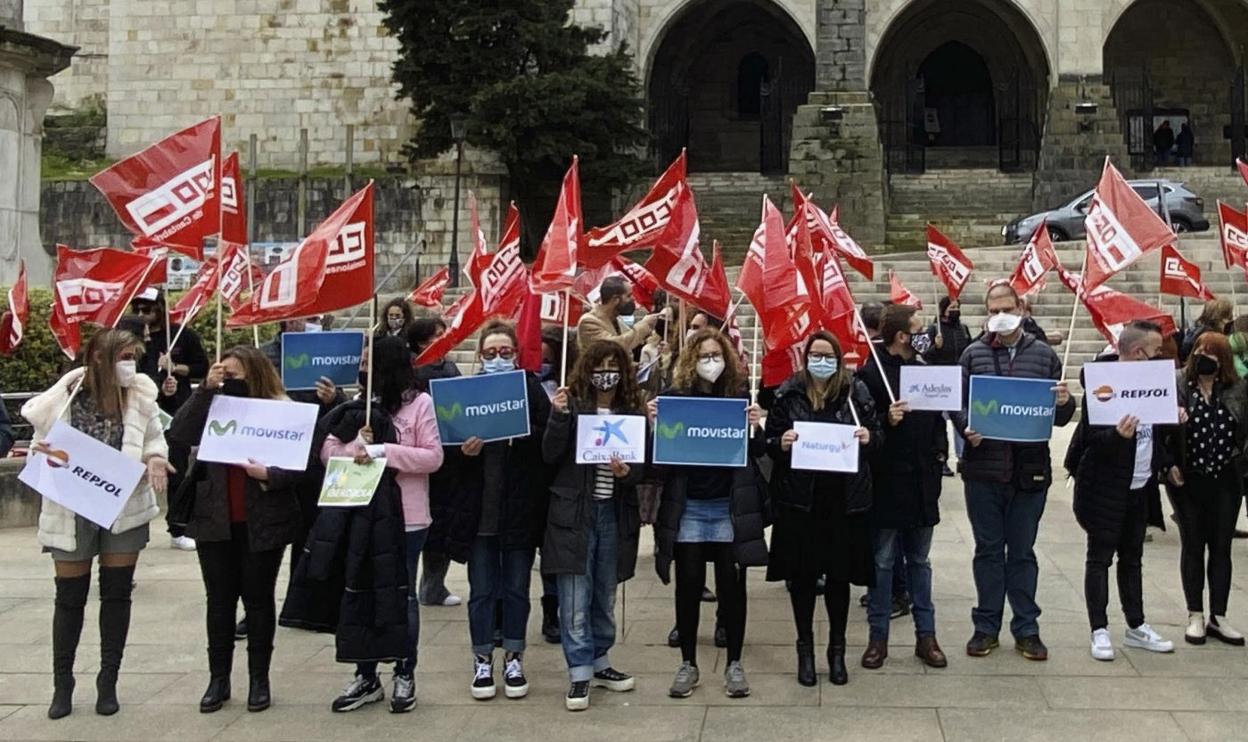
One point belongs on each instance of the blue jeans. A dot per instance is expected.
(497, 576)
(1005, 522)
(415, 543)
(587, 601)
(889, 543)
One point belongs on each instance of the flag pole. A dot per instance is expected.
(939, 332)
(219, 326)
(1074, 309)
(875, 354)
(169, 340)
(684, 324)
(368, 380)
(758, 321)
(251, 289)
(853, 410)
(563, 364)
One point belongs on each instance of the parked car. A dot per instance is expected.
(1187, 213)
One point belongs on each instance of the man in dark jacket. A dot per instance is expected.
(906, 487)
(1007, 483)
(1114, 468)
(950, 336)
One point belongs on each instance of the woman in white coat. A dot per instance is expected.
(116, 405)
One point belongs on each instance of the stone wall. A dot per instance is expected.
(80, 23)
(841, 45)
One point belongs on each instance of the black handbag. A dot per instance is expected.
(182, 500)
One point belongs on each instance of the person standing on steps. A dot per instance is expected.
(115, 404)
(1210, 450)
(1114, 467)
(711, 514)
(906, 474)
(1006, 483)
(821, 527)
(594, 522)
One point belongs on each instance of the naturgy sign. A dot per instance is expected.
(271, 432)
(701, 431)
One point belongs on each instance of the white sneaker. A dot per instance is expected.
(1219, 629)
(182, 543)
(1102, 647)
(452, 600)
(1143, 637)
(1195, 633)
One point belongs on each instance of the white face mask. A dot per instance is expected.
(711, 369)
(127, 372)
(1004, 323)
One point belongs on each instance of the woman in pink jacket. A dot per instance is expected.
(417, 454)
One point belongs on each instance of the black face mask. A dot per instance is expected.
(954, 316)
(628, 307)
(1206, 366)
(235, 388)
(1228, 328)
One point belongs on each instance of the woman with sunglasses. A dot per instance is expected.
(711, 514)
(113, 403)
(493, 525)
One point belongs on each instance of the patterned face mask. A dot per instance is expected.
(604, 381)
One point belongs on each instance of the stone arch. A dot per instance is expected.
(798, 12)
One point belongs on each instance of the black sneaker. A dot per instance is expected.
(708, 596)
(578, 696)
(403, 699)
(483, 678)
(673, 638)
(515, 684)
(1032, 648)
(946, 471)
(981, 644)
(865, 600)
(361, 691)
(901, 607)
(721, 636)
(240, 629)
(613, 679)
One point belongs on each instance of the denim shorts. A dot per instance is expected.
(705, 521)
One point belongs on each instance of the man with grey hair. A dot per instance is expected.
(1116, 468)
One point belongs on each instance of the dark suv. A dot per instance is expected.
(1187, 213)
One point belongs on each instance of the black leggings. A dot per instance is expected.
(691, 562)
(231, 571)
(1207, 508)
(835, 599)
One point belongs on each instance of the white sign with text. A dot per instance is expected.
(599, 437)
(82, 474)
(272, 432)
(825, 447)
(932, 388)
(1145, 389)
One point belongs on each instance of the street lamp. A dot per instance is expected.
(459, 129)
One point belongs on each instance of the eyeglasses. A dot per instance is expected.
(144, 309)
(822, 356)
(710, 356)
(505, 353)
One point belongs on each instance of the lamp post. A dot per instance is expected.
(459, 126)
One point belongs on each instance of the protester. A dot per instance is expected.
(951, 337)
(491, 522)
(612, 319)
(397, 319)
(1215, 316)
(821, 525)
(1163, 142)
(362, 550)
(1185, 145)
(114, 404)
(1209, 449)
(1113, 467)
(1007, 483)
(906, 473)
(1239, 345)
(1030, 326)
(711, 514)
(593, 525)
(433, 591)
(870, 314)
(244, 516)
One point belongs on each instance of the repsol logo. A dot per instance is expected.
(95, 480)
(1144, 393)
(698, 432)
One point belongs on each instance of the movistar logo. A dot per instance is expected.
(991, 407)
(217, 428)
(447, 414)
(670, 432)
(297, 362)
(984, 408)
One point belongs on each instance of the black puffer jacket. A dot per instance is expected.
(956, 336)
(352, 579)
(570, 517)
(1103, 466)
(995, 461)
(442, 481)
(272, 508)
(906, 470)
(747, 505)
(796, 488)
(522, 518)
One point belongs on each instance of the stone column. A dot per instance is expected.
(1077, 139)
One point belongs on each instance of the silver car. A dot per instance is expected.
(1187, 213)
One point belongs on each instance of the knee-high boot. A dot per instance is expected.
(116, 584)
(71, 602)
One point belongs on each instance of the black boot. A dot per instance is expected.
(550, 618)
(217, 694)
(258, 697)
(71, 601)
(806, 674)
(259, 659)
(116, 584)
(837, 673)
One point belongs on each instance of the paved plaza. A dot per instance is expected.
(1196, 693)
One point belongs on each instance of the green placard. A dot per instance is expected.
(348, 484)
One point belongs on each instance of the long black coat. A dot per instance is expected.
(522, 520)
(906, 469)
(570, 516)
(747, 506)
(352, 579)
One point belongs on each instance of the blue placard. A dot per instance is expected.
(307, 356)
(491, 407)
(701, 431)
(1004, 408)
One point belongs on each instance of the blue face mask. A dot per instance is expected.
(822, 369)
(496, 365)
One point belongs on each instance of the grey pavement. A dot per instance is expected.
(1195, 693)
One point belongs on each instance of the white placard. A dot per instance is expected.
(599, 437)
(932, 388)
(1145, 389)
(277, 434)
(825, 447)
(85, 475)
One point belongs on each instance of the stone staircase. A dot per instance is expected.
(968, 205)
(729, 205)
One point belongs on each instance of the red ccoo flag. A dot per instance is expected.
(430, 291)
(97, 285)
(233, 205)
(787, 302)
(480, 256)
(1037, 259)
(1233, 233)
(948, 262)
(826, 231)
(1243, 169)
(13, 321)
(716, 296)
(643, 225)
(677, 261)
(167, 194)
(899, 294)
(555, 266)
(1181, 277)
(1121, 228)
(198, 295)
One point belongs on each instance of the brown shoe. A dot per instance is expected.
(877, 652)
(928, 650)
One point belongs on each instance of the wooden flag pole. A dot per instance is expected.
(684, 324)
(758, 321)
(368, 380)
(1074, 309)
(169, 339)
(251, 289)
(563, 364)
(853, 410)
(219, 302)
(875, 354)
(939, 332)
